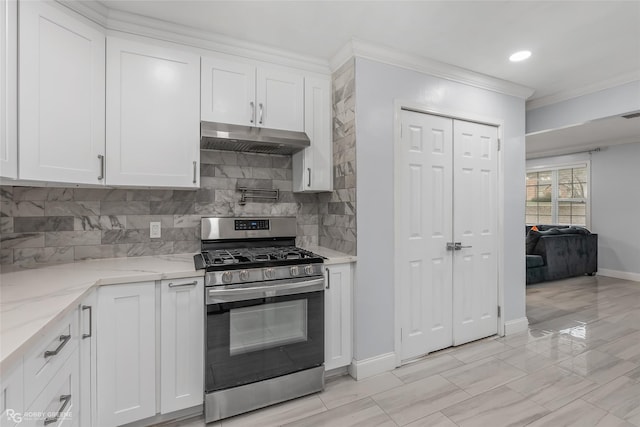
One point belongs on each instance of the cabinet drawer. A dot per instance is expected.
(57, 404)
(42, 363)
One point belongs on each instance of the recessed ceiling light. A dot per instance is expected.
(520, 56)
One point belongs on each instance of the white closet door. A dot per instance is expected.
(475, 226)
(9, 89)
(280, 98)
(424, 223)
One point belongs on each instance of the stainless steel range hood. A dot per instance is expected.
(223, 136)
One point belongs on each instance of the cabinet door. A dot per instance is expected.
(11, 396)
(312, 167)
(280, 99)
(126, 374)
(337, 297)
(181, 343)
(228, 92)
(61, 87)
(153, 117)
(9, 89)
(88, 357)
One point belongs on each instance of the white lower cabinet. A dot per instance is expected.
(11, 397)
(181, 343)
(87, 347)
(126, 370)
(338, 316)
(58, 403)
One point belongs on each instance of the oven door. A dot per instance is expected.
(259, 332)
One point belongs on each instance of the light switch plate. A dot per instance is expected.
(155, 230)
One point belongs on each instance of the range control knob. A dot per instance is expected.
(226, 277)
(269, 273)
(244, 275)
(308, 269)
(294, 271)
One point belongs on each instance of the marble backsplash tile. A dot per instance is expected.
(50, 225)
(337, 229)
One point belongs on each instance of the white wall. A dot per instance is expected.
(615, 207)
(610, 102)
(377, 86)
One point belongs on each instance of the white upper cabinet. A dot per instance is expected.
(8, 89)
(61, 86)
(280, 99)
(312, 167)
(228, 92)
(153, 115)
(245, 94)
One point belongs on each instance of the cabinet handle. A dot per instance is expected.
(195, 164)
(88, 307)
(261, 110)
(65, 399)
(179, 285)
(253, 112)
(309, 178)
(101, 176)
(328, 278)
(64, 339)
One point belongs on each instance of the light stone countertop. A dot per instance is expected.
(332, 257)
(32, 299)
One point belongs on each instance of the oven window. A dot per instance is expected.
(267, 326)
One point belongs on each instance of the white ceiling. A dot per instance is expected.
(576, 45)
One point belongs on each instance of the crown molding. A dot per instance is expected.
(115, 20)
(362, 49)
(585, 90)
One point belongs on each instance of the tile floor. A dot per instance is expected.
(577, 365)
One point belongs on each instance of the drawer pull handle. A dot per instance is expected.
(179, 285)
(65, 399)
(64, 339)
(328, 278)
(88, 307)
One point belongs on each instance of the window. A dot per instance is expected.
(558, 195)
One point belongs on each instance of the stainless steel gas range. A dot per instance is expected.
(264, 330)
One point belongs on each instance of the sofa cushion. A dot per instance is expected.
(533, 237)
(534, 261)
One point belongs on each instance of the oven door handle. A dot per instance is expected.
(222, 294)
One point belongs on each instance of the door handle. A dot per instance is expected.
(101, 176)
(88, 307)
(261, 110)
(309, 181)
(64, 339)
(451, 246)
(195, 171)
(65, 399)
(458, 246)
(253, 112)
(328, 278)
(179, 285)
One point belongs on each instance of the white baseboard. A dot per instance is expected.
(361, 369)
(626, 275)
(516, 325)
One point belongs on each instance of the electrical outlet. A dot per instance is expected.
(155, 230)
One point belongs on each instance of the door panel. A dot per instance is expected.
(425, 211)
(475, 278)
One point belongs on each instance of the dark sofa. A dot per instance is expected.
(558, 252)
